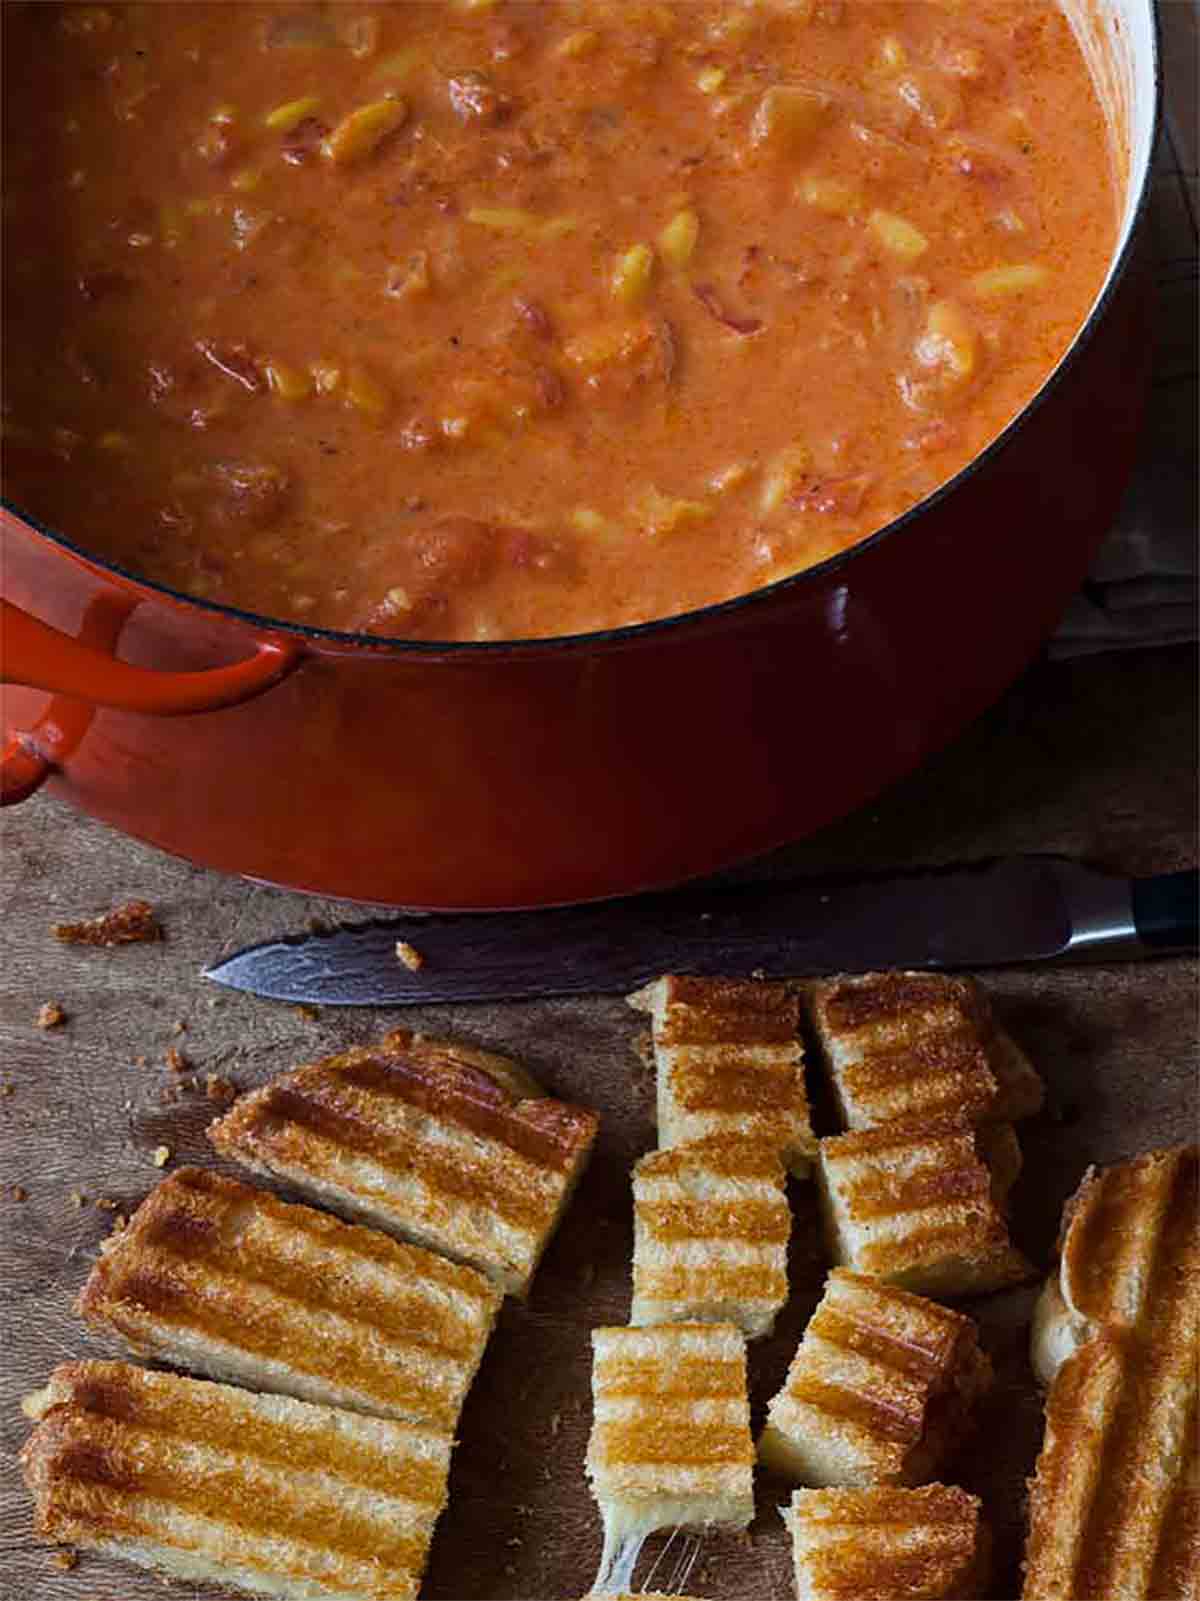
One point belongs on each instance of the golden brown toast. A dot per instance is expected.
(711, 1226)
(1114, 1507)
(918, 1206)
(888, 1544)
(261, 1494)
(729, 1061)
(670, 1444)
(451, 1148)
(879, 1392)
(233, 1283)
(1126, 1255)
(917, 1045)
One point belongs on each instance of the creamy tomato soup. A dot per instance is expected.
(470, 320)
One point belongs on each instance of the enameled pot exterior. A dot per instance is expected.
(523, 775)
(536, 775)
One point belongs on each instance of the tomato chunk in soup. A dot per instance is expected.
(470, 320)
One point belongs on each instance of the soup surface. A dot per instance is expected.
(470, 320)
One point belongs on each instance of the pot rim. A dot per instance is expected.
(717, 610)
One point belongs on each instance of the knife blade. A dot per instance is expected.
(1016, 909)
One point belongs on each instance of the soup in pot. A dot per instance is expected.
(460, 320)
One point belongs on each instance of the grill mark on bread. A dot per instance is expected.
(895, 996)
(861, 1544)
(1115, 1508)
(896, 1418)
(910, 1358)
(285, 1106)
(642, 1444)
(689, 1378)
(188, 1409)
(891, 1197)
(239, 1495)
(677, 1220)
(715, 1011)
(730, 1084)
(723, 1282)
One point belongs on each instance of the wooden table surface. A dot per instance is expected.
(1095, 758)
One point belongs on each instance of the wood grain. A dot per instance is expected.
(1094, 758)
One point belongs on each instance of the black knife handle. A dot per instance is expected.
(1166, 910)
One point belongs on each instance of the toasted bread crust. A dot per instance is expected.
(879, 1391)
(916, 1206)
(907, 1046)
(266, 1493)
(1115, 1501)
(729, 1061)
(711, 1227)
(486, 1187)
(926, 1544)
(228, 1280)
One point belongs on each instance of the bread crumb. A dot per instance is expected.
(309, 1013)
(176, 1060)
(162, 1155)
(555, 1422)
(218, 1088)
(8, 1089)
(64, 1561)
(409, 955)
(139, 1061)
(50, 1015)
(132, 923)
(106, 1204)
(17, 1192)
(179, 1026)
(78, 1200)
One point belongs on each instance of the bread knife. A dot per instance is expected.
(1015, 909)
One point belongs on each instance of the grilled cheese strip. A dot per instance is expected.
(453, 1149)
(1127, 1253)
(878, 1393)
(231, 1282)
(917, 1045)
(1114, 1505)
(918, 1206)
(863, 1545)
(262, 1494)
(729, 1061)
(670, 1443)
(711, 1226)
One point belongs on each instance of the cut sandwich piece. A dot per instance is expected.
(917, 1045)
(231, 1282)
(1128, 1253)
(866, 1545)
(729, 1061)
(879, 1392)
(711, 1226)
(452, 1148)
(262, 1494)
(670, 1444)
(919, 1206)
(1114, 1506)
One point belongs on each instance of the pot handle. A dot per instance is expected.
(40, 657)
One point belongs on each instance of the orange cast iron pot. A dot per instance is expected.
(499, 775)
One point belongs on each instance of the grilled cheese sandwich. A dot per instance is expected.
(450, 1148)
(711, 1226)
(1114, 1508)
(879, 1545)
(729, 1061)
(670, 1444)
(918, 1206)
(262, 1494)
(879, 1392)
(918, 1045)
(232, 1283)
